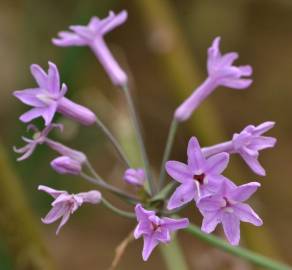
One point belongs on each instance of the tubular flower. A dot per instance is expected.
(66, 165)
(48, 98)
(247, 144)
(41, 137)
(66, 204)
(250, 141)
(154, 229)
(221, 72)
(92, 35)
(135, 177)
(198, 178)
(227, 207)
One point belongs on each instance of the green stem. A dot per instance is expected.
(116, 210)
(173, 255)
(114, 142)
(167, 151)
(253, 257)
(100, 182)
(139, 138)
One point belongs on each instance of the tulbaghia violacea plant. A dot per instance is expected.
(155, 205)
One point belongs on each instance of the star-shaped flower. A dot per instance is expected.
(198, 178)
(92, 35)
(66, 204)
(227, 207)
(250, 141)
(48, 98)
(154, 229)
(221, 72)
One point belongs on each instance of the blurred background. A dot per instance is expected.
(162, 47)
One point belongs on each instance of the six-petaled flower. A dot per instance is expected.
(154, 229)
(92, 35)
(66, 204)
(198, 178)
(227, 207)
(48, 98)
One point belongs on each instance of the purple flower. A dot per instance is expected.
(250, 141)
(92, 35)
(135, 176)
(66, 165)
(40, 137)
(66, 204)
(198, 178)
(48, 98)
(221, 72)
(155, 229)
(227, 207)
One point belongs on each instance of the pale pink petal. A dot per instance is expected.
(39, 75)
(63, 221)
(182, 195)
(53, 79)
(245, 213)
(115, 20)
(254, 164)
(28, 97)
(178, 171)
(32, 114)
(231, 227)
(196, 158)
(53, 192)
(175, 224)
(210, 222)
(243, 192)
(217, 164)
(149, 244)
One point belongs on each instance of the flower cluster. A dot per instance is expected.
(199, 181)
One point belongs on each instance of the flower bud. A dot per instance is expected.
(135, 176)
(66, 165)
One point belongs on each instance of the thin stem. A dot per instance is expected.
(114, 142)
(116, 210)
(173, 255)
(167, 151)
(251, 256)
(218, 148)
(100, 182)
(139, 138)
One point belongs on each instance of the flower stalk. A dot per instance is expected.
(167, 151)
(247, 255)
(139, 138)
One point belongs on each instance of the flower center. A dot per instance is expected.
(155, 227)
(200, 178)
(45, 97)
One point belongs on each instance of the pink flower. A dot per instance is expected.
(48, 98)
(92, 35)
(227, 207)
(221, 72)
(135, 176)
(154, 229)
(66, 204)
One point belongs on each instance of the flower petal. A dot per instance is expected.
(49, 113)
(210, 222)
(178, 171)
(53, 192)
(39, 75)
(217, 164)
(264, 127)
(182, 195)
(114, 21)
(210, 203)
(175, 224)
(236, 83)
(53, 79)
(254, 164)
(63, 221)
(66, 39)
(149, 244)
(243, 192)
(31, 114)
(196, 159)
(28, 97)
(55, 213)
(245, 213)
(231, 227)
